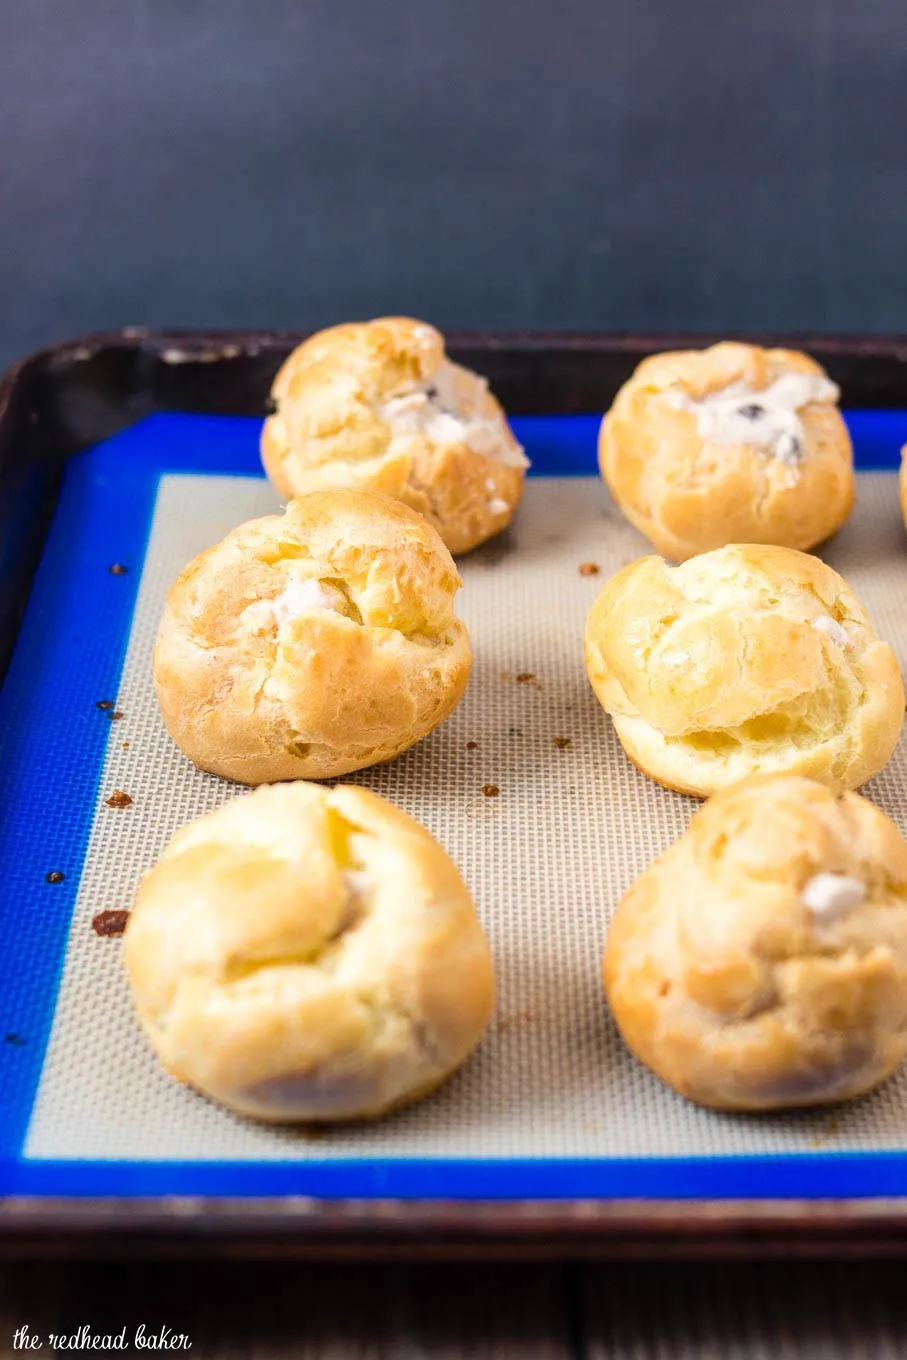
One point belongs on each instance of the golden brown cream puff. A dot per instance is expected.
(761, 962)
(312, 643)
(743, 660)
(378, 404)
(732, 444)
(308, 954)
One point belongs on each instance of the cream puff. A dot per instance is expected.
(732, 444)
(312, 643)
(749, 659)
(378, 404)
(761, 962)
(307, 954)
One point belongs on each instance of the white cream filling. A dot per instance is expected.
(828, 894)
(296, 598)
(358, 881)
(431, 410)
(832, 630)
(766, 418)
(675, 658)
(301, 597)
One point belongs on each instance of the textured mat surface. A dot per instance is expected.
(547, 859)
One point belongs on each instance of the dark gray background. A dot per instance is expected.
(702, 164)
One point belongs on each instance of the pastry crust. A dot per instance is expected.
(746, 659)
(307, 954)
(377, 404)
(312, 643)
(761, 962)
(692, 473)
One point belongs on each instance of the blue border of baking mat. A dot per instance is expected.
(52, 745)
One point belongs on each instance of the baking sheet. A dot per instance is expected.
(547, 859)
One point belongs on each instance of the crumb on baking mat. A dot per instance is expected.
(110, 922)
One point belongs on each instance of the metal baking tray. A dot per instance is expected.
(120, 457)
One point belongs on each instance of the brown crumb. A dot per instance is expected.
(115, 715)
(491, 790)
(125, 745)
(564, 743)
(472, 746)
(117, 569)
(119, 799)
(522, 678)
(110, 922)
(54, 876)
(589, 568)
(104, 704)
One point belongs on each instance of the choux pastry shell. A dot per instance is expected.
(732, 444)
(749, 659)
(761, 962)
(308, 954)
(377, 404)
(312, 643)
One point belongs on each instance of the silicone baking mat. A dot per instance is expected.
(551, 1103)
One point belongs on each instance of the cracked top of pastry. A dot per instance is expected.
(731, 444)
(308, 954)
(747, 659)
(308, 644)
(378, 404)
(762, 960)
